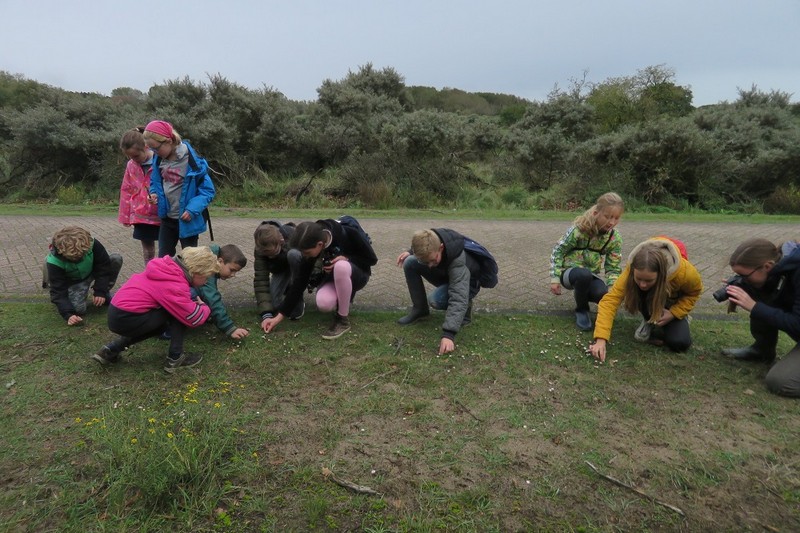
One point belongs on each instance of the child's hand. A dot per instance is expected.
(401, 258)
(240, 333)
(666, 318)
(268, 324)
(98, 301)
(329, 266)
(153, 199)
(446, 346)
(555, 288)
(186, 216)
(73, 320)
(598, 349)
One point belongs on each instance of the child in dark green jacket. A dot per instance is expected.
(231, 260)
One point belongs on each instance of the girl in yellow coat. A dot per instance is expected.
(659, 283)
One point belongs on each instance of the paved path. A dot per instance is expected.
(522, 249)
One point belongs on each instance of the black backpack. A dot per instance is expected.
(488, 277)
(350, 222)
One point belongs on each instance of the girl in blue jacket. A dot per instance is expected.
(180, 185)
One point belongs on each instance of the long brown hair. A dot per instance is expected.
(651, 258)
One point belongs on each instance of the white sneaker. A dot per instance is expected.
(643, 331)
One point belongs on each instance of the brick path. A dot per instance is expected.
(522, 249)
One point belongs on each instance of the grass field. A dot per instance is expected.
(375, 432)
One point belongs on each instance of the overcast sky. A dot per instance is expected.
(523, 47)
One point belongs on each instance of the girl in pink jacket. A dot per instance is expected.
(157, 299)
(134, 209)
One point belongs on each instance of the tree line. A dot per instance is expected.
(369, 140)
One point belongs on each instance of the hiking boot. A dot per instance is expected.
(643, 331)
(583, 320)
(747, 354)
(106, 356)
(413, 315)
(341, 325)
(185, 360)
(467, 320)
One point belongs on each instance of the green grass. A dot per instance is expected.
(110, 209)
(493, 437)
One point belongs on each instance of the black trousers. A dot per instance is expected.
(136, 327)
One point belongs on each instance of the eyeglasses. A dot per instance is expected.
(745, 276)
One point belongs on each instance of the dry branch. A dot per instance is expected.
(634, 489)
(361, 489)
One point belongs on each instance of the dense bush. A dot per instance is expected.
(370, 140)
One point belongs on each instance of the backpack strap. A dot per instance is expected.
(206, 215)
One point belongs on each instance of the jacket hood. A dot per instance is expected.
(667, 247)
(453, 243)
(166, 268)
(791, 258)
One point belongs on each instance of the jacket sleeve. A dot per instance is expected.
(101, 270)
(787, 321)
(613, 260)
(59, 291)
(177, 301)
(458, 276)
(689, 289)
(261, 286)
(205, 193)
(608, 306)
(560, 250)
(126, 192)
(360, 253)
(157, 188)
(296, 288)
(209, 293)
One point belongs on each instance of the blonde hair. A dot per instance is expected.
(587, 222)
(199, 260)
(651, 257)
(72, 242)
(425, 243)
(176, 139)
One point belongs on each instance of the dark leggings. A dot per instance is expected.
(677, 336)
(587, 287)
(169, 235)
(136, 327)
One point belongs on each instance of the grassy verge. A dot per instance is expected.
(492, 438)
(444, 213)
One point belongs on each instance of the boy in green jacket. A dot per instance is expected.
(231, 260)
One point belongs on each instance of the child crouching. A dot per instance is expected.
(159, 298)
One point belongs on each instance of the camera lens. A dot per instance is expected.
(721, 294)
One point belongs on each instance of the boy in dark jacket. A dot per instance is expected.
(275, 266)
(438, 255)
(74, 261)
(231, 260)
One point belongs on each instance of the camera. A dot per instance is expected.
(721, 294)
(326, 262)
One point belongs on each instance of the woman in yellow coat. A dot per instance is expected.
(661, 284)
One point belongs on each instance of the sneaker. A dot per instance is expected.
(106, 356)
(341, 325)
(186, 360)
(583, 320)
(300, 314)
(643, 331)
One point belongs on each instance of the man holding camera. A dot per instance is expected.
(767, 284)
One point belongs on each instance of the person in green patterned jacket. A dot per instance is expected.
(590, 246)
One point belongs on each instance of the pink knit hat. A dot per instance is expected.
(160, 127)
